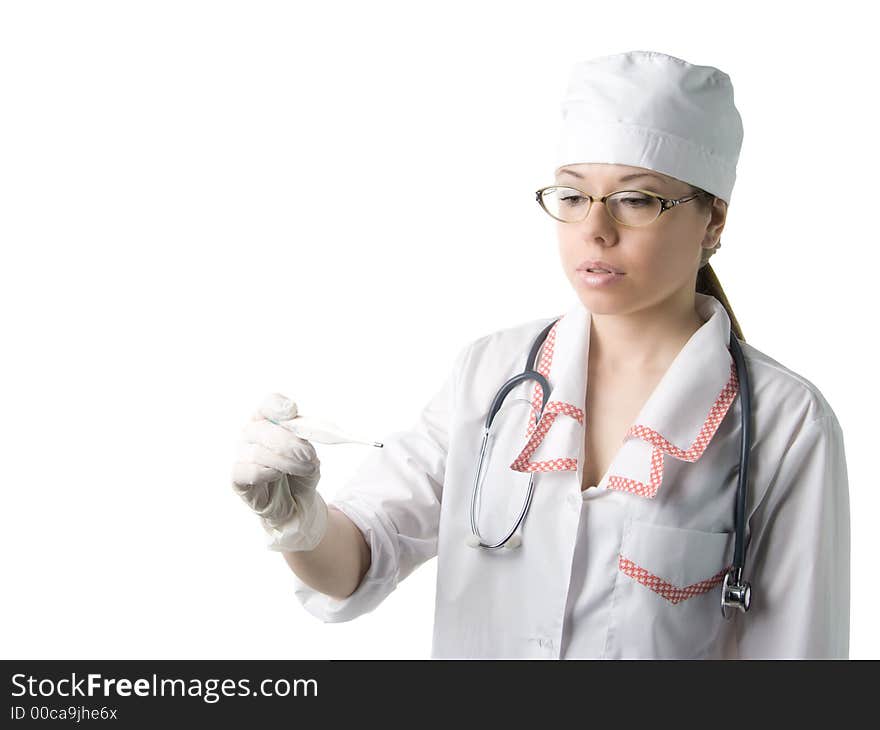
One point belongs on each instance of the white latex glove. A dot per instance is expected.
(276, 474)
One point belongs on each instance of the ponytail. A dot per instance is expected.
(707, 283)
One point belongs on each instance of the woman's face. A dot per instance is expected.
(659, 260)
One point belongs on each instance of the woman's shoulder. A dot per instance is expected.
(779, 389)
(489, 359)
(511, 339)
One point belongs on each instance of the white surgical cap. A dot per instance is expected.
(648, 109)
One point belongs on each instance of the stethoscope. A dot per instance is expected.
(735, 593)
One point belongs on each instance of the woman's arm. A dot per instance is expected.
(338, 564)
(800, 540)
(394, 500)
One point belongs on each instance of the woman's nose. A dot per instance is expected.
(598, 218)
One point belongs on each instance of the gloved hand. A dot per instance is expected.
(276, 474)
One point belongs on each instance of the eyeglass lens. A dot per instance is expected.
(628, 207)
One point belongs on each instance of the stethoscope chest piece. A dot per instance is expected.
(736, 594)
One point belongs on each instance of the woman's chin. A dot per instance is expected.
(602, 303)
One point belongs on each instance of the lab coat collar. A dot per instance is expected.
(679, 418)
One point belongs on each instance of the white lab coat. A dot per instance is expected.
(632, 568)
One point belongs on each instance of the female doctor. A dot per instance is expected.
(633, 454)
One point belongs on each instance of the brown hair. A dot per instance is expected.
(707, 281)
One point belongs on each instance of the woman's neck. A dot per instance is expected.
(647, 340)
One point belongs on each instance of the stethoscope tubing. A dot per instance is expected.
(528, 374)
(745, 396)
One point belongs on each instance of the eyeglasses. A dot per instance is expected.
(627, 207)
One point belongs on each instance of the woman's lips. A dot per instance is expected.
(598, 279)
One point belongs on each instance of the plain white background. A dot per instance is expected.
(205, 202)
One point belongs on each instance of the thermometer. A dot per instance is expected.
(323, 432)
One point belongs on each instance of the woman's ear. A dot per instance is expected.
(717, 219)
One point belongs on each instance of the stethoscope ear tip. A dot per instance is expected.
(514, 542)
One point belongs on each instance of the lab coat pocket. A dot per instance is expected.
(667, 598)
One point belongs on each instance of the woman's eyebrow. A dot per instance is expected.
(625, 178)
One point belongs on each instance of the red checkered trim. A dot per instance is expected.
(672, 593)
(553, 409)
(663, 446)
(538, 429)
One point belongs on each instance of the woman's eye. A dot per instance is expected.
(637, 202)
(572, 199)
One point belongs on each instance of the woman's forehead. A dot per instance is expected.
(609, 171)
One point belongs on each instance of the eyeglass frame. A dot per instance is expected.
(665, 203)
